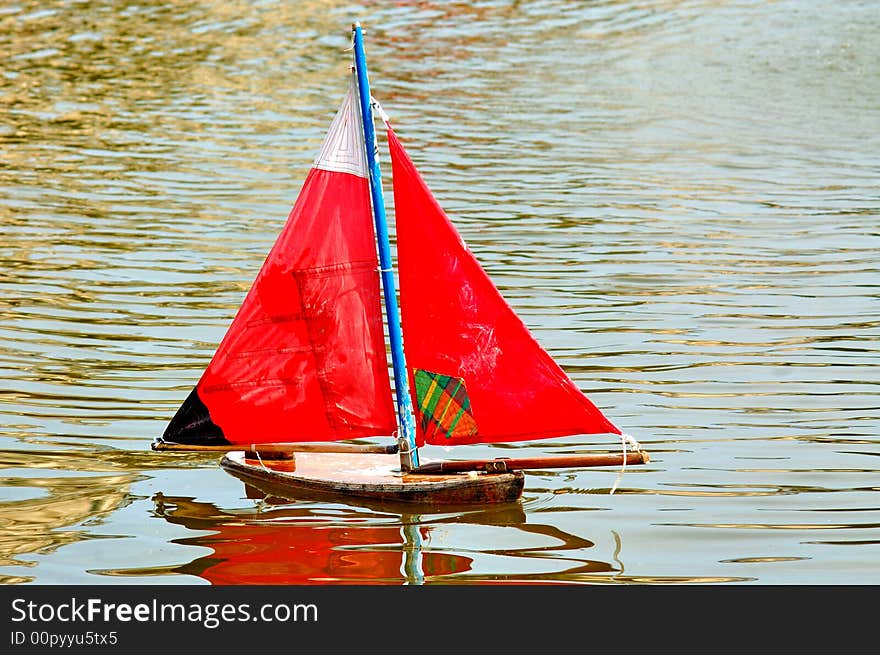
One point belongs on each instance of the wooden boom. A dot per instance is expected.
(503, 464)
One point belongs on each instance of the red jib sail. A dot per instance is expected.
(305, 359)
(476, 373)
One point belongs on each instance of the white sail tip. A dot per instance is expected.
(343, 149)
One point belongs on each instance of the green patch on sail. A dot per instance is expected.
(443, 405)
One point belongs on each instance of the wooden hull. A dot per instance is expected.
(373, 477)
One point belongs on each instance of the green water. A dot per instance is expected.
(680, 199)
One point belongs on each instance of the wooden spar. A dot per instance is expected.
(503, 464)
(409, 457)
(329, 447)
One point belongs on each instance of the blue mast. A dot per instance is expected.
(409, 457)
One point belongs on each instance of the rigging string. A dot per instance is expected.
(376, 107)
(624, 438)
(260, 459)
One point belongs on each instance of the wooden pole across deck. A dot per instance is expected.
(497, 465)
(504, 464)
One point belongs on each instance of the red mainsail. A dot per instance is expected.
(476, 373)
(304, 358)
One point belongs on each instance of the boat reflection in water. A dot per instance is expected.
(305, 544)
(308, 541)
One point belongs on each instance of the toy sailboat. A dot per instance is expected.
(302, 371)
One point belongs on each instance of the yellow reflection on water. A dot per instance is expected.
(38, 526)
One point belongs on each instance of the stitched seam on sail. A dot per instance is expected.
(330, 269)
(262, 382)
(285, 351)
(309, 319)
(278, 318)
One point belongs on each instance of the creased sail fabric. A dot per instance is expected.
(304, 359)
(476, 373)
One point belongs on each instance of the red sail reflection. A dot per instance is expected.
(293, 545)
